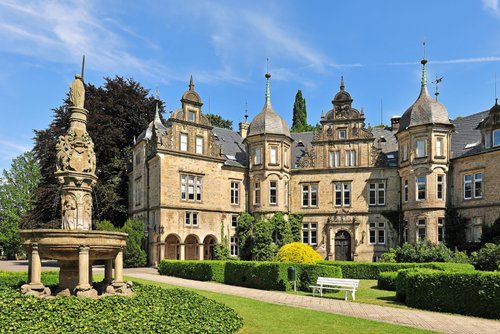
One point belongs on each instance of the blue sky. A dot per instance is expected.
(375, 45)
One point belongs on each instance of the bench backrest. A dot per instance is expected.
(338, 281)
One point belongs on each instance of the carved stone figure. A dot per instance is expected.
(69, 213)
(77, 92)
(75, 152)
(87, 212)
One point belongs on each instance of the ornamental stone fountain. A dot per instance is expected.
(75, 246)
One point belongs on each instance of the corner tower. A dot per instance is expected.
(424, 158)
(269, 154)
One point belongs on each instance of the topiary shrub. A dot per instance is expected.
(488, 258)
(387, 280)
(196, 270)
(299, 253)
(258, 275)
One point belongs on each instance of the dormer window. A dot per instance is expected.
(496, 138)
(191, 116)
(199, 145)
(342, 134)
(487, 139)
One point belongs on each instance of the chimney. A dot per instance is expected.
(244, 129)
(395, 123)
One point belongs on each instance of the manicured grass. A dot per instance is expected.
(261, 317)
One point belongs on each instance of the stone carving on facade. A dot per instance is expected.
(75, 152)
(377, 158)
(342, 111)
(87, 212)
(308, 160)
(69, 219)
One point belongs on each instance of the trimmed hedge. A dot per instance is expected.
(387, 280)
(11, 280)
(197, 270)
(371, 270)
(250, 274)
(470, 293)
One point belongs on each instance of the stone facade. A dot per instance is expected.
(361, 190)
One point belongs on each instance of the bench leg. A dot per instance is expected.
(353, 295)
(321, 292)
(346, 295)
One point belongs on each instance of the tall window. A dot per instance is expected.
(440, 229)
(376, 194)
(256, 193)
(235, 193)
(138, 191)
(439, 147)
(405, 190)
(496, 138)
(184, 142)
(405, 231)
(377, 233)
(478, 185)
(473, 231)
(421, 229)
(191, 218)
(190, 187)
(274, 153)
(350, 158)
(421, 187)
(309, 195)
(420, 151)
(334, 159)
(487, 139)
(191, 116)
(440, 186)
(467, 186)
(285, 158)
(199, 145)
(234, 221)
(309, 233)
(473, 185)
(273, 192)
(342, 134)
(342, 194)
(257, 157)
(404, 152)
(235, 251)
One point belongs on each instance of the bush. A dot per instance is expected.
(10, 280)
(307, 274)
(425, 251)
(299, 253)
(488, 258)
(196, 270)
(371, 270)
(470, 293)
(387, 280)
(258, 275)
(152, 310)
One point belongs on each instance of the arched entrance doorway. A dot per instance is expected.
(191, 244)
(343, 246)
(172, 247)
(208, 246)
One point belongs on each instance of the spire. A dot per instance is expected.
(157, 99)
(191, 83)
(424, 73)
(246, 112)
(83, 67)
(268, 89)
(342, 86)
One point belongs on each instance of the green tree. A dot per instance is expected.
(282, 229)
(299, 121)
(263, 247)
(244, 232)
(491, 233)
(221, 250)
(454, 225)
(17, 187)
(219, 122)
(118, 112)
(296, 226)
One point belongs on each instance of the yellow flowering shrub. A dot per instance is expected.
(299, 253)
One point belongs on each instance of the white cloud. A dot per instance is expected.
(493, 6)
(488, 59)
(10, 149)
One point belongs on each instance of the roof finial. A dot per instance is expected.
(191, 83)
(246, 111)
(438, 80)
(342, 86)
(157, 99)
(268, 89)
(424, 73)
(83, 67)
(496, 99)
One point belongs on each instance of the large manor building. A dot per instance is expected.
(361, 190)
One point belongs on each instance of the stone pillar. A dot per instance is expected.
(162, 251)
(201, 251)
(108, 271)
(36, 268)
(29, 266)
(83, 268)
(182, 251)
(91, 274)
(119, 267)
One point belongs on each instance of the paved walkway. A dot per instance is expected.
(440, 322)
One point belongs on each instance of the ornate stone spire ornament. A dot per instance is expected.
(342, 86)
(268, 88)
(424, 73)
(191, 83)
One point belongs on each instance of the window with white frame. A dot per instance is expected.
(487, 139)
(467, 186)
(405, 190)
(478, 185)
(342, 134)
(440, 187)
(473, 231)
(421, 229)
(439, 147)
(420, 148)
(273, 192)
(256, 193)
(184, 142)
(138, 191)
(404, 152)
(285, 158)
(257, 156)
(235, 193)
(191, 218)
(199, 145)
(377, 233)
(334, 160)
(350, 158)
(190, 187)
(309, 195)
(235, 250)
(421, 185)
(234, 221)
(440, 229)
(496, 138)
(473, 185)
(376, 194)
(342, 193)
(273, 155)
(310, 233)
(287, 194)
(191, 116)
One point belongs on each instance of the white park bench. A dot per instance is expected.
(329, 283)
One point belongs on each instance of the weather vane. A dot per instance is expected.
(436, 82)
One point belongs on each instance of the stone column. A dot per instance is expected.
(182, 251)
(83, 268)
(91, 274)
(162, 251)
(29, 266)
(201, 251)
(119, 267)
(36, 268)
(108, 271)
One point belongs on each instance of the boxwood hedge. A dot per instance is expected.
(470, 293)
(197, 270)
(387, 280)
(371, 270)
(151, 310)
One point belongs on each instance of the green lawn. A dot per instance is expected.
(260, 317)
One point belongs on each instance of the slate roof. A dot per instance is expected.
(232, 147)
(301, 140)
(268, 121)
(146, 134)
(467, 135)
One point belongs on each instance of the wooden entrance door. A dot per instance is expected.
(343, 246)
